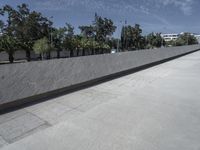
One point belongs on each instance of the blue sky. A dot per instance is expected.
(164, 16)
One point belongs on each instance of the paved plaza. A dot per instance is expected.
(154, 109)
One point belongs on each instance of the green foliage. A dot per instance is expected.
(70, 30)
(186, 39)
(103, 27)
(113, 42)
(183, 39)
(1, 26)
(9, 45)
(155, 40)
(105, 46)
(62, 38)
(42, 46)
(131, 37)
(87, 31)
(25, 30)
(25, 25)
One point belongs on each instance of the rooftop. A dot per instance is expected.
(157, 108)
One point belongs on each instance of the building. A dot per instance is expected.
(170, 37)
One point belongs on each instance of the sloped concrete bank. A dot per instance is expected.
(26, 82)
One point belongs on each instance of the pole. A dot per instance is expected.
(119, 37)
(51, 39)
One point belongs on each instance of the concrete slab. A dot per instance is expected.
(19, 126)
(48, 111)
(67, 116)
(2, 142)
(73, 100)
(11, 115)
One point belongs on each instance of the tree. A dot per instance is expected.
(22, 28)
(59, 36)
(103, 27)
(97, 34)
(131, 37)
(137, 38)
(70, 30)
(113, 43)
(1, 26)
(105, 48)
(9, 12)
(155, 40)
(9, 44)
(186, 39)
(85, 45)
(87, 31)
(67, 39)
(24, 25)
(92, 45)
(42, 46)
(77, 43)
(126, 37)
(32, 26)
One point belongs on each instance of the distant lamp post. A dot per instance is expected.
(51, 39)
(118, 43)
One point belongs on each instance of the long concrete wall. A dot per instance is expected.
(25, 81)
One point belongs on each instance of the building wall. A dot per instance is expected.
(170, 37)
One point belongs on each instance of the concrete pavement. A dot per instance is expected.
(156, 109)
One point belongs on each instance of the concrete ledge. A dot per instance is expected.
(29, 82)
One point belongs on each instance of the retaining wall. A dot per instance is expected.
(29, 81)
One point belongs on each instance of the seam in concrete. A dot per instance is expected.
(26, 134)
(45, 122)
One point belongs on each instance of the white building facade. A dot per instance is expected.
(170, 37)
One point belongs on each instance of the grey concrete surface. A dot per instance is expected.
(22, 81)
(2, 142)
(18, 126)
(156, 109)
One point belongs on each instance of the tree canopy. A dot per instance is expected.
(155, 40)
(24, 29)
(41, 46)
(131, 37)
(9, 44)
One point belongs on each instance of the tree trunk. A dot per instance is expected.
(71, 53)
(48, 55)
(77, 52)
(58, 53)
(93, 51)
(101, 51)
(11, 58)
(40, 57)
(83, 52)
(28, 55)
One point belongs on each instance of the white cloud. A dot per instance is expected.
(142, 6)
(121, 7)
(103, 5)
(184, 5)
